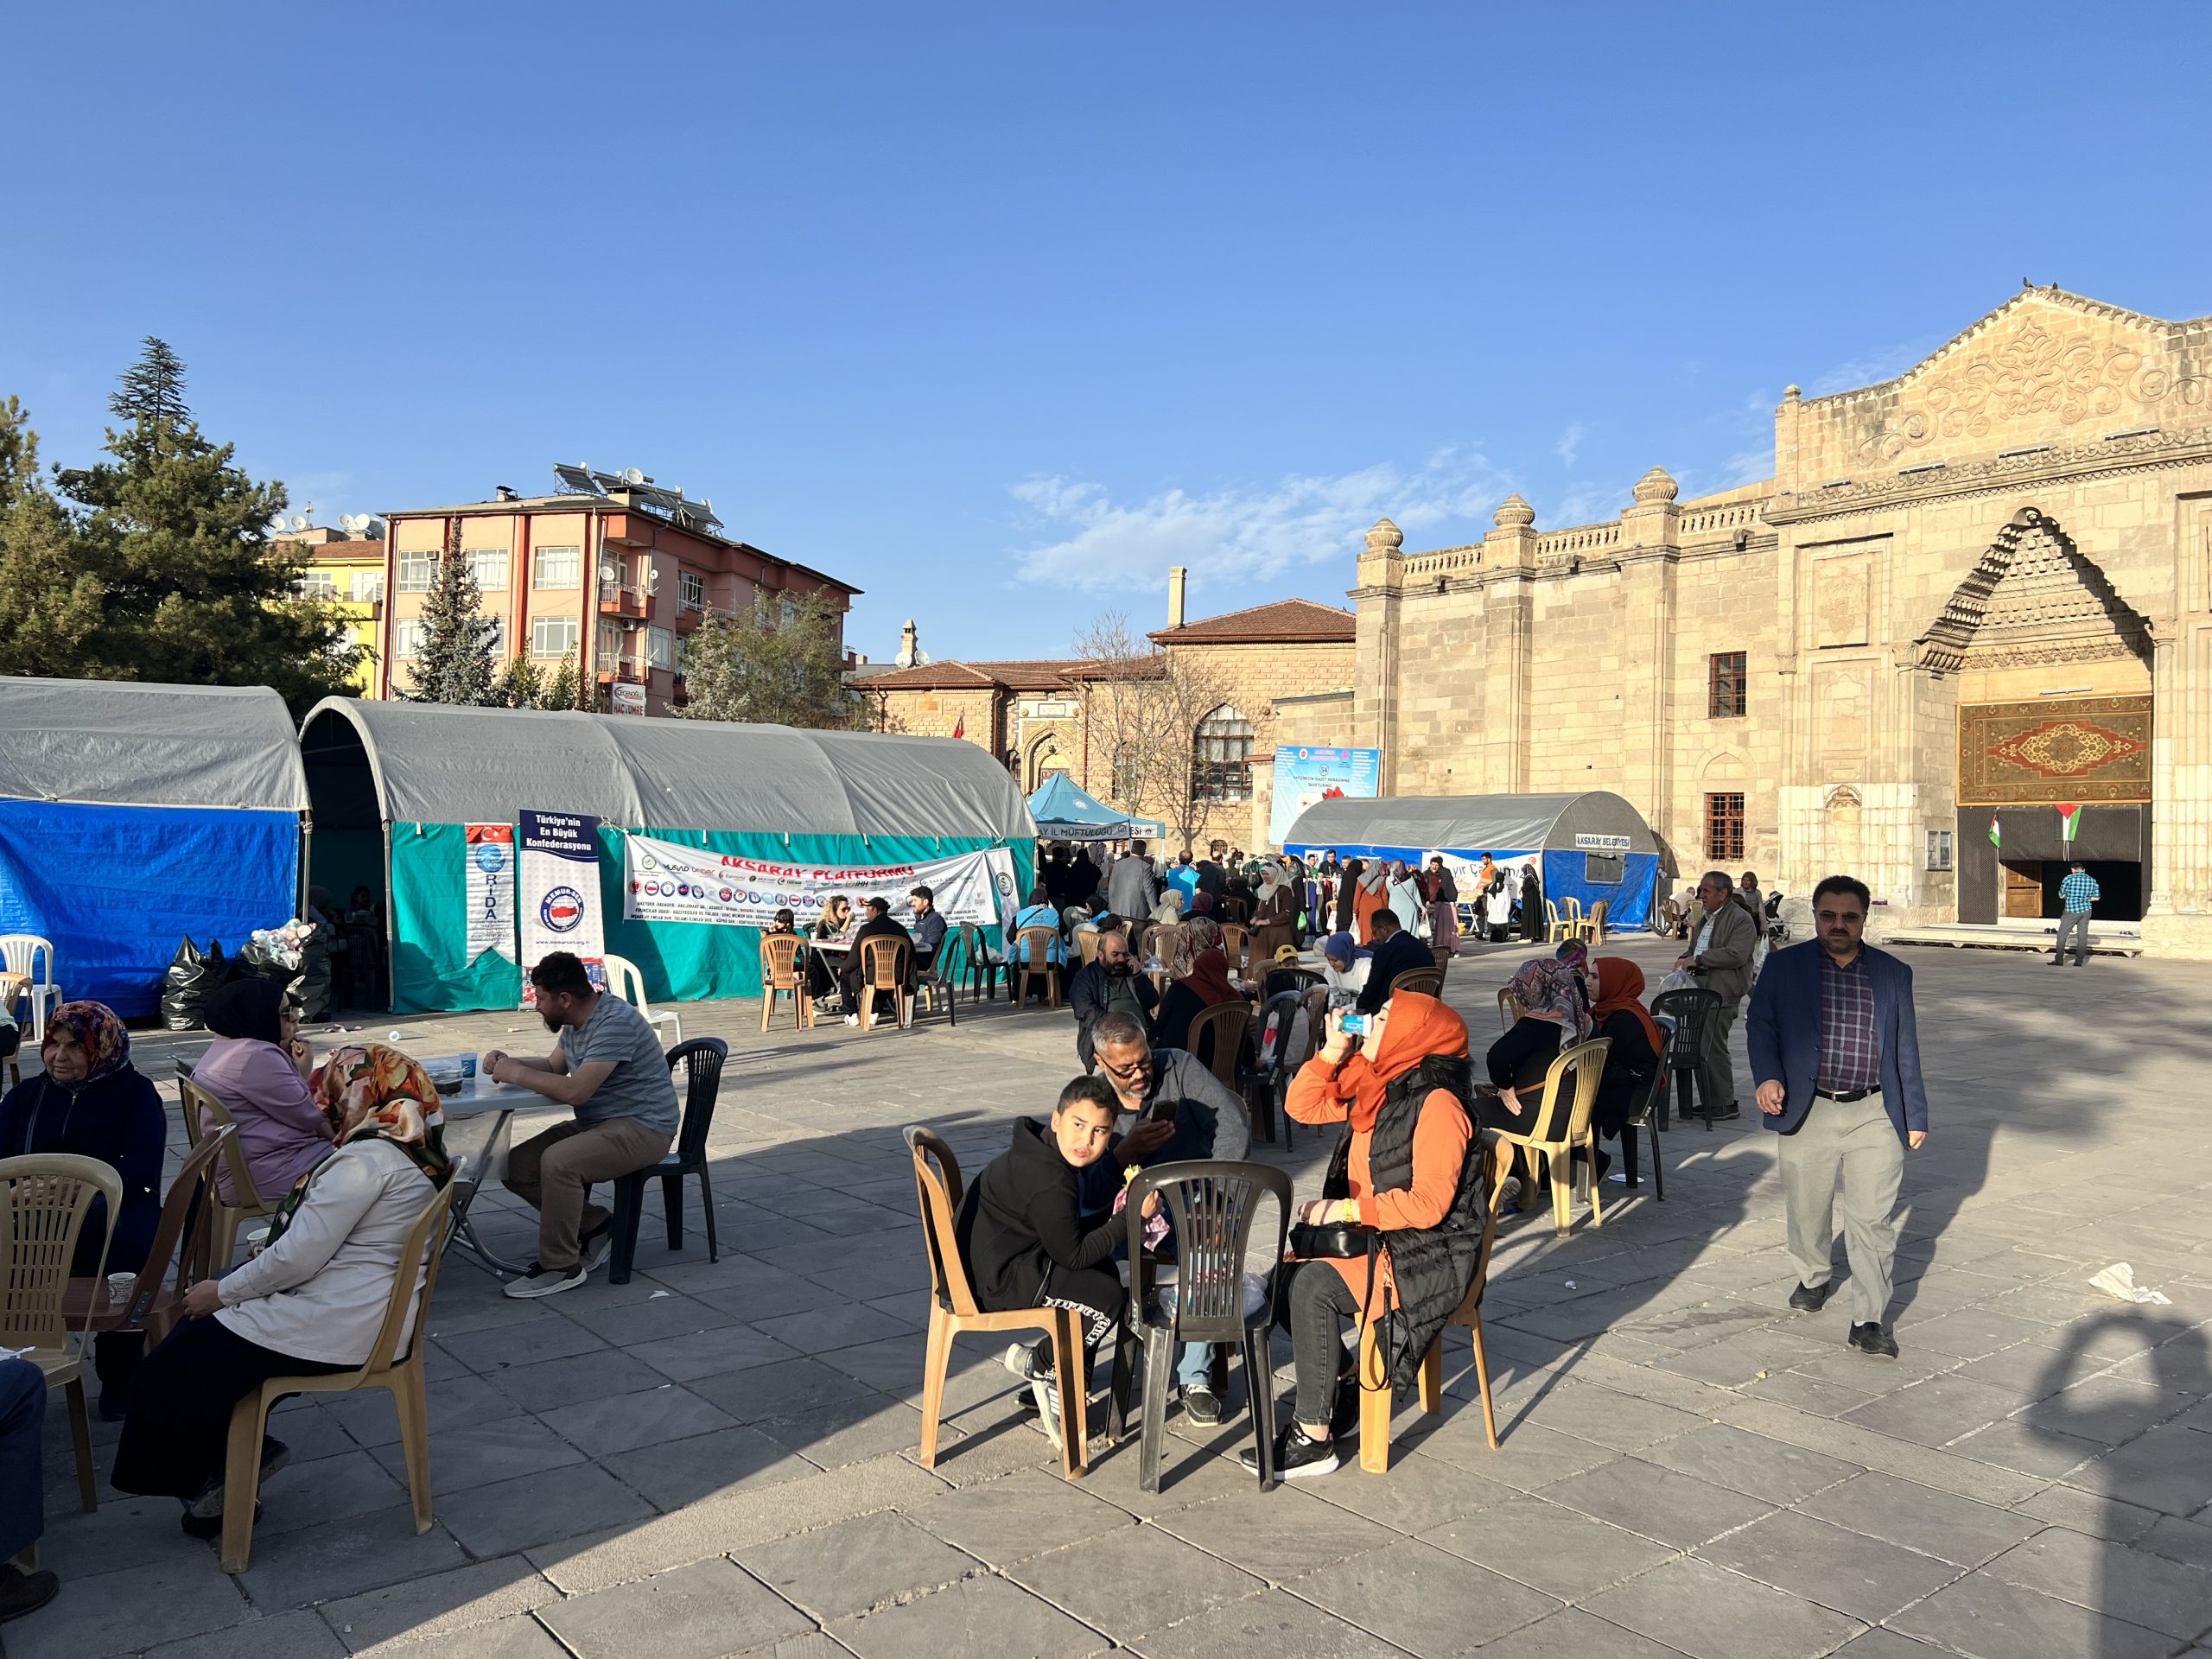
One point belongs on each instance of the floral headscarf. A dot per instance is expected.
(373, 1092)
(1549, 990)
(93, 1028)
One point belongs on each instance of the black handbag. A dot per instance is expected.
(1342, 1240)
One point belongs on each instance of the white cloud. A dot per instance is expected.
(1569, 444)
(1098, 543)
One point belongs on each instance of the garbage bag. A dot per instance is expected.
(315, 976)
(257, 960)
(191, 977)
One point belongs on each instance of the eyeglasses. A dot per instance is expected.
(1134, 1068)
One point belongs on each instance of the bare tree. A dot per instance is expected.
(1141, 709)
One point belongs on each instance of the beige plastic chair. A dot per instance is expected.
(385, 1368)
(49, 1195)
(1561, 1124)
(1237, 945)
(883, 968)
(1032, 960)
(181, 1237)
(1591, 927)
(626, 982)
(1086, 945)
(1555, 923)
(779, 972)
(1508, 1010)
(19, 954)
(1428, 982)
(225, 1218)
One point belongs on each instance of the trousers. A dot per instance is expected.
(553, 1173)
(1850, 1148)
(22, 1478)
(2075, 922)
(1716, 1071)
(179, 1429)
(1319, 1301)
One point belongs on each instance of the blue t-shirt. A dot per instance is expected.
(640, 1085)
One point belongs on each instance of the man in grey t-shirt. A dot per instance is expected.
(608, 1067)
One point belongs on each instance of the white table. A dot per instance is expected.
(479, 1096)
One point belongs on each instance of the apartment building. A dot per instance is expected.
(348, 570)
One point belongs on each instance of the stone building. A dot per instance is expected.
(1965, 597)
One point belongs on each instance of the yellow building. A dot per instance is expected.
(347, 571)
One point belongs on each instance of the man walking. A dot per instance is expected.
(1835, 1051)
(2075, 894)
(1724, 940)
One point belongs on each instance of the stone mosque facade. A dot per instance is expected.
(1966, 597)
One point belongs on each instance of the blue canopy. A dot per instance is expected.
(1063, 812)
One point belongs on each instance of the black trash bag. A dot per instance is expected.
(190, 979)
(256, 961)
(314, 990)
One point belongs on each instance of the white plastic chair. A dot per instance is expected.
(19, 954)
(626, 982)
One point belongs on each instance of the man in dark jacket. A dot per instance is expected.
(878, 925)
(1110, 984)
(1396, 951)
(1722, 940)
(1835, 1051)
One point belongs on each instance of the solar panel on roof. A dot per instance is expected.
(576, 479)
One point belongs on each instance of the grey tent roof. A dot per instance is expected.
(121, 743)
(436, 763)
(1470, 823)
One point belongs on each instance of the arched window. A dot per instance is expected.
(1221, 756)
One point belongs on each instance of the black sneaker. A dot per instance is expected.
(1723, 1114)
(1202, 1405)
(546, 1281)
(1811, 1298)
(1297, 1458)
(1872, 1340)
(24, 1592)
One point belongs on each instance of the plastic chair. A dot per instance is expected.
(1555, 926)
(49, 1197)
(1032, 960)
(1237, 945)
(1688, 1009)
(953, 1309)
(248, 1203)
(626, 982)
(1086, 945)
(1647, 1116)
(884, 964)
(385, 1368)
(19, 954)
(1375, 1403)
(1160, 940)
(934, 988)
(1229, 1024)
(980, 966)
(180, 1236)
(1593, 926)
(1428, 982)
(1211, 1205)
(1562, 1125)
(704, 1057)
(1508, 1010)
(781, 972)
(1264, 1085)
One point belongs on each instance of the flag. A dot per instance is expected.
(960, 726)
(2069, 821)
(1996, 837)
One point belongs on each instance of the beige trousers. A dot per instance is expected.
(553, 1173)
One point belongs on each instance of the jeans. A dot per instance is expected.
(1319, 1299)
(2075, 922)
(22, 1476)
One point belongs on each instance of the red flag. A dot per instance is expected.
(960, 726)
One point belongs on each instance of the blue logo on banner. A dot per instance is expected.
(563, 911)
(490, 857)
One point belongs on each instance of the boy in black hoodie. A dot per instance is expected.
(1022, 1234)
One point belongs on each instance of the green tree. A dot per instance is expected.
(174, 537)
(521, 686)
(780, 666)
(49, 605)
(560, 690)
(453, 663)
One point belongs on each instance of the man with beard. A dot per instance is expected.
(1110, 984)
(608, 1068)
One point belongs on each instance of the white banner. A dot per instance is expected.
(489, 880)
(559, 902)
(669, 883)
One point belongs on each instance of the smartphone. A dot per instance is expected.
(1354, 1025)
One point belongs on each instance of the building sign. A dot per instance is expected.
(1601, 843)
(627, 698)
(1304, 774)
(558, 898)
(2078, 749)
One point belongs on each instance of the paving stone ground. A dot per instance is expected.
(720, 1458)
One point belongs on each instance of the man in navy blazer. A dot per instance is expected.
(1835, 1052)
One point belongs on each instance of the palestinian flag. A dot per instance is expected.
(2069, 821)
(1996, 837)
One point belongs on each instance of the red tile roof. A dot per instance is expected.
(1031, 674)
(1285, 622)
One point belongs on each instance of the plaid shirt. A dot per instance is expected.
(2078, 892)
(1851, 1046)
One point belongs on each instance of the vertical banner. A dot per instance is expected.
(558, 906)
(488, 881)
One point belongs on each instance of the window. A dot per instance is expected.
(660, 647)
(1727, 683)
(317, 584)
(489, 566)
(557, 567)
(415, 570)
(1128, 775)
(1604, 869)
(368, 587)
(1222, 757)
(552, 636)
(790, 610)
(692, 591)
(407, 640)
(1939, 850)
(1724, 827)
(610, 643)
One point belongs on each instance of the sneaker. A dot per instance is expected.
(598, 1245)
(1202, 1405)
(1870, 1339)
(1021, 1359)
(1297, 1458)
(24, 1592)
(546, 1281)
(1811, 1298)
(852, 1019)
(1046, 1391)
(1508, 1196)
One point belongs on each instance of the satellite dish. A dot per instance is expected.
(608, 572)
(632, 475)
(346, 522)
(276, 525)
(652, 579)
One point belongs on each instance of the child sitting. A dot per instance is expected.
(1022, 1232)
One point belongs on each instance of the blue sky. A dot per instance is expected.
(999, 311)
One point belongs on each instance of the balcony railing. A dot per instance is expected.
(615, 600)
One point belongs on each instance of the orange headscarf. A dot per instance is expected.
(1620, 985)
(1418, 1027)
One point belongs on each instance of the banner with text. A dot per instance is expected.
(1304, 774)
(488, 880)
(668, 883)
(559, 901)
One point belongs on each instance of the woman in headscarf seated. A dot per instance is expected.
(311, 1301)
(257, 1067)
(1198, 979)
(1274, 914)
(92, 1101)
(1169, 909)
(1619, 1013)
(1576, 954)
(1554, 1016)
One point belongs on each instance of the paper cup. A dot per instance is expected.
(120, 1284)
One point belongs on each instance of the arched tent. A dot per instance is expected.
(395, 783)
(1589, 847)
(133, 815)
(1063, 812)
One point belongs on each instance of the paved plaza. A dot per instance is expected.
(720, 1458)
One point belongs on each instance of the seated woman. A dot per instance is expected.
(1022, 1232)
(1553, 1017)
(1620, 1015)
(1198, 979)
(92, 1101)
(311, 1301)
(1404, 1170)
(835, 922)
(786, 922)
(1344, 965)
(257, 1067)
(1039, 912)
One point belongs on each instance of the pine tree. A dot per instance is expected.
(49, 606)
(521, 686)
(781, 669)
(560, 690)
(453, 663)
(174, 539)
